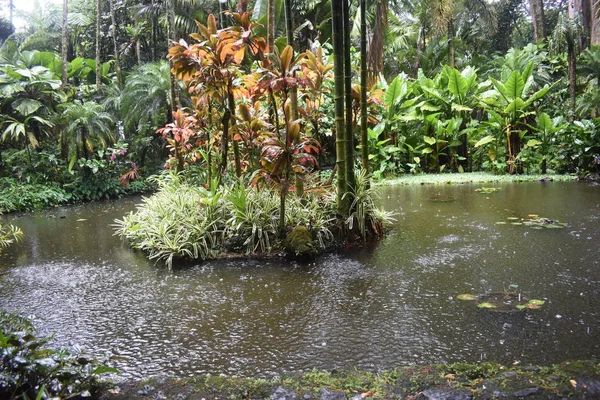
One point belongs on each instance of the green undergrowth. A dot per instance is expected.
(471, 177)
(568, 379)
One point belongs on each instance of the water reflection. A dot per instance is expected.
(382, 306)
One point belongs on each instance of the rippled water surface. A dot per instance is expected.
(387, 305)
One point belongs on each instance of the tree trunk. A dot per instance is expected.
(64, 46)
(236, 147)
(171, 37)
(113, 21)
(538, 19)
(420, 50)
(11, 6)
(225, 141)
(271, 25)
(572, 74)
(581, 10)
(364, 139)
(98, 24)
(451, 62)
(595, 28)
(376, 46)
(337, 27)
(348, 94)
(242, 6)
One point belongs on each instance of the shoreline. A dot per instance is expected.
(457, 381)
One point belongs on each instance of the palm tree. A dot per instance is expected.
(567, 36)
(87, 126)
(145, 103)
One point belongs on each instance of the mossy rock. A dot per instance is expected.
(299, 242)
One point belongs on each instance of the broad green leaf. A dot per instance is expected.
(457, 84)
(429, 107)
(533, 143)
(459, 107)
(484, 140)
(538, 95)
(544, 123)
(515, 106)
(427, 150)
(26, 107)
(514, 86)
(527, 72)
(429, 140)
(397, 89)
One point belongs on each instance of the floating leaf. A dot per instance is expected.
(501, 223)
(532, 215)
(513, 218)
(536, 301)
(521, 306)
(516, 223)
(533, 306)
(466, 296)
(486, 305)
(554, 226)
(81, 219)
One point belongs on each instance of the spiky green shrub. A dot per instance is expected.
(179, 221)
(186, 221)
(8, 235)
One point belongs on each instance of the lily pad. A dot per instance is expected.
(486, 305)
(536, 302)
(533, 306)
(521, 306)
(516, 223)
(81, 219)
(554, 226)
(466, 296)
(501, 223)
(513, 218)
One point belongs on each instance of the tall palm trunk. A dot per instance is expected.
(113, 21)
(337, 27)
(364, 143)
(64, 45)
(172, 82)
(572, 73)
(348, 94)
(538, 19)
(271, 24)
(451, 61)
(98, 23)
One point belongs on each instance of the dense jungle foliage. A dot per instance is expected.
(92, 101)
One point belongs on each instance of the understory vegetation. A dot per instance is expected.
(29, 369)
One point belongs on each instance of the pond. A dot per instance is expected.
(387, 305)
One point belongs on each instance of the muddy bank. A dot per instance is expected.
(458, 381)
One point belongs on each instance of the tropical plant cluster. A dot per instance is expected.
(504, 118)
(186, 221)
(29, 369)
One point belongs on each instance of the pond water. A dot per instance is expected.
(387, 305)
